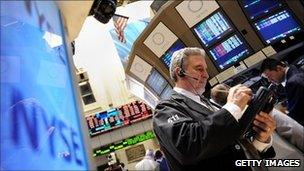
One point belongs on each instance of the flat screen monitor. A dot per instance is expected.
(105, 121)
(229, 51)
(212, 29)
(166, 58)
(277, 26)
(41, 122)
(156, 82)
(166, 92)
(258, 8)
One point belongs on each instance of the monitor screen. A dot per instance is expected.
(156, 81)
(166, 58)
(114, 118)
(277, 26)
(257, 8)
(229, 52)
(213, 28)
(166, 92)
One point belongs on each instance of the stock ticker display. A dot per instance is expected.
(123, 143)
(114, 118)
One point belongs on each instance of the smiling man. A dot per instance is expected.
(194, 134)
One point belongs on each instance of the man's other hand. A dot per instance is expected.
(264, 125)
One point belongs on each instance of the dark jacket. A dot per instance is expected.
(193, 138)
(295, 93)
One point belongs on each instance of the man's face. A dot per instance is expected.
(197, 67)
(274, 76)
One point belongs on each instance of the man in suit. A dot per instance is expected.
(193, 134)
(286, 127)
(292, 79)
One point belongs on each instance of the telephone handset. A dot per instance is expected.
(264, 100)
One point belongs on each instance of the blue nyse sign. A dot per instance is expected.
(40, 120)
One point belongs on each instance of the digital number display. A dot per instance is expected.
(212, 29)
(117, 117)
(277, 26)
(124, 143)
(257, 8)
(166, 58)
(229, 52)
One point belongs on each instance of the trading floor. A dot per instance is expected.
(152, 85)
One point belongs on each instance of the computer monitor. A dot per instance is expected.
(156, 82)
(166, 92)
(257, 8)
(230, 51)
(166, 58)
(277, 26)
(212, 28)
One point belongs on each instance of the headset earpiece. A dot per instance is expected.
(181, 73)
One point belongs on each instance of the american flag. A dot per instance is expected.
(120, 22)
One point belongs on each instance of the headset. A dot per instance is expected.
(183, 73)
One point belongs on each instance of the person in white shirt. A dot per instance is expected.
(147, 163)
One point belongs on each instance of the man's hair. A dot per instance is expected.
(158, 154)
(180, 59)
(271, 64)
(220, 97)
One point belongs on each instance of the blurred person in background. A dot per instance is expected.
(159, 158)
(148, 162)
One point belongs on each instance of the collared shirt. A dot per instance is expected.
(285, 80)
(233, 109)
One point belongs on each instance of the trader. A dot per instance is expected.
(286, 127)
(292, 79)
(193, 134)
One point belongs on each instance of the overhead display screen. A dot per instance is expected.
(166, 58)
(229, 52)
(277, 26)
(108, 120)
(213, 28)
(157, 82)
(166, 92)
(257, 8)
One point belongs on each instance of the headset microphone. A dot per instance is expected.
(191, 76)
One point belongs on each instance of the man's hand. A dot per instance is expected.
(239, 95)
(264, 125)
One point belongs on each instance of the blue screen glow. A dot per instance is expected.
(257, 8)
(166, 58)
(212, 29)
(229, 52)
(277, 26)
(157, 82)
(40, 119)
(166, 92)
